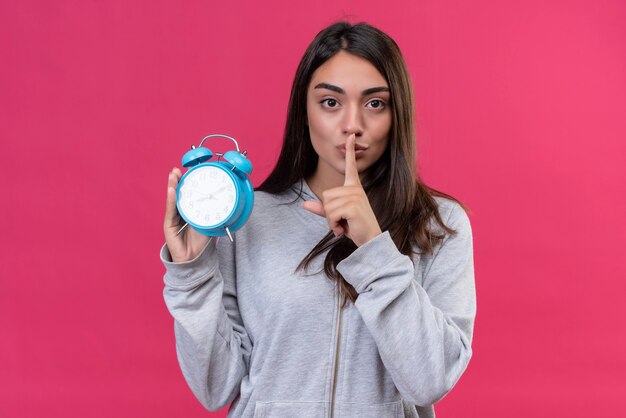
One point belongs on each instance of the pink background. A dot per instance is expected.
(522, 115)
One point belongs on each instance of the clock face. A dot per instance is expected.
(207, 196)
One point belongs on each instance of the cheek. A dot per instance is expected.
(320, 127)
(382, 138)
(314, 130)
(311, 116)
(381, 132)
(384, 125)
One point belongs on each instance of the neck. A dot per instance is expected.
(318, 182)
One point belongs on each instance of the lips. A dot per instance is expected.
(358, 151)
(357, 147)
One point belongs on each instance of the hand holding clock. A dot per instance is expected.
(189, 243)
(346, 207)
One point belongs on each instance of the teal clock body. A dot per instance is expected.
(215, 197)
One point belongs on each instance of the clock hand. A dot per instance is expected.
(197, 191)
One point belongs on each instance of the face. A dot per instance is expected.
(347, 95)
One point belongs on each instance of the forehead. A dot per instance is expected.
(348, 71)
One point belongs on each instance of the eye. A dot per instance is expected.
(329, 103)
(376, 104)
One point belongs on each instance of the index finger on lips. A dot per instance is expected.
(352, 173)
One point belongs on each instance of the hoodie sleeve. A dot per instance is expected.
(212, 345)
(423, 331)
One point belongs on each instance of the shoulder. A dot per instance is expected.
(270, 206)
(453, 215)
(270, 200)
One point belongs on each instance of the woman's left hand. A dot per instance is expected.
(347, 208)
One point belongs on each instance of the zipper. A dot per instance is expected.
(336, 362)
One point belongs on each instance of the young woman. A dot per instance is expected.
(350, 290)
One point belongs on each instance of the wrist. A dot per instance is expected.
(370, 236)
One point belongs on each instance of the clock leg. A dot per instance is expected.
(229, 235)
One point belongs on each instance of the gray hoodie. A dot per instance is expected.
(253, 331)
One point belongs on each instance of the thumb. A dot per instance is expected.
(314, 207)
(170, 207)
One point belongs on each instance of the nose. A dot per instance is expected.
(353, 121)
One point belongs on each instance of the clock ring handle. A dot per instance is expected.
(221, 136)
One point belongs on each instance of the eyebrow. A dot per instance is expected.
(342, 91)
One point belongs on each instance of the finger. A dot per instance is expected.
(342, 228)
(340, 207)
(172, 180)
(171, 213)
(352, 174)
(314, 207)
(339, 228)
(341, 192)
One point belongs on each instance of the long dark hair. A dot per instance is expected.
(393, 178)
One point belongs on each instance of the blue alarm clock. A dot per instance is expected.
(215, 197)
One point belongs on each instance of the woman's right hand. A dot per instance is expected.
(189, 243)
